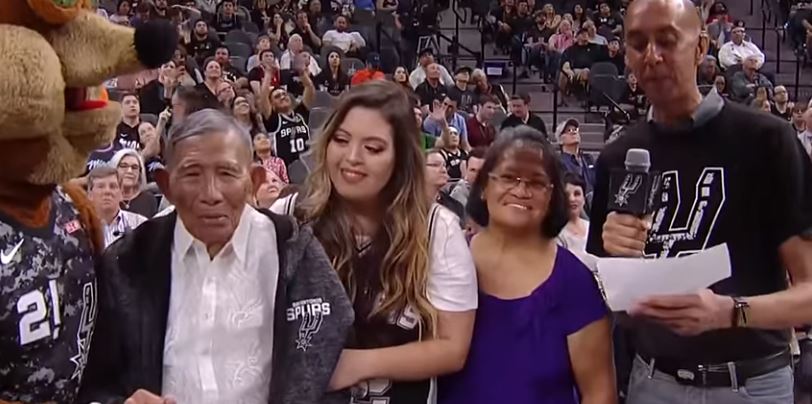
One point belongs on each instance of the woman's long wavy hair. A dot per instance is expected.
(404, 270)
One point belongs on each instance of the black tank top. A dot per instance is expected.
(290, 134)
(453, 162)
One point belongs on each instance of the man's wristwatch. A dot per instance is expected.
(740, 311)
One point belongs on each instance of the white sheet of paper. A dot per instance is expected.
(627, 280)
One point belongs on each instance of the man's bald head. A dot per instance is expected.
(664, 47)
(684, 12)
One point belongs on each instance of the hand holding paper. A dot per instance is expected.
(671, 291)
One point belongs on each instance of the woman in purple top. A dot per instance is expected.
(542, 333)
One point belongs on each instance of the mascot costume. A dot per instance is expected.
(53, 113)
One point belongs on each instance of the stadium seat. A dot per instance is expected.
(151, 118)
(239, 63)
(318, 115)
(237, 35)
(604, 82)
(351, 65)
(249, 26)
(325, 52)
(238, 49)
(498, 117)
(297, 172)
(309, 158)
(324, 100)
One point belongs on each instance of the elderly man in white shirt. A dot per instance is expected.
(348, 42)
(418, 75)
(738, 49)
(104, 191)
(216, 302)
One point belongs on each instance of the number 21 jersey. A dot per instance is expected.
(47, 306)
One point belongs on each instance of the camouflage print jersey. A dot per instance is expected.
(47, 306)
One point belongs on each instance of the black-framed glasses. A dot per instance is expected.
(511, 182)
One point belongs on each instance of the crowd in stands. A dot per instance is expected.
(279, 69)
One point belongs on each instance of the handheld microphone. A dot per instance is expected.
(632, 191)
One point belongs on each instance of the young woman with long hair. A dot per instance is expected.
(414, 294)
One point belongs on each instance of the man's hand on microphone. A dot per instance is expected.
(625, 235)
(690, 314)
(142, 396)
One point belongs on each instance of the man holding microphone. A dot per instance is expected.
(728, 176)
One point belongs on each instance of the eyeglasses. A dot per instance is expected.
(510, 182)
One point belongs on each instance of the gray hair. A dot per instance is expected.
(99, 172)
(203, 123)
(142, 174)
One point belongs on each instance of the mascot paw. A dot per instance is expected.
(155, 42)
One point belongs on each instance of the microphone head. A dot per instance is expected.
(638, 160)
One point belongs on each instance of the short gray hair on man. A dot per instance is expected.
(99, 172)
(201, 123)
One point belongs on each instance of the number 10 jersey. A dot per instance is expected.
(47, 306)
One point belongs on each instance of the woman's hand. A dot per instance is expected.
(350, 370)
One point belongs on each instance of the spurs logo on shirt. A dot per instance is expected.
(311, 312)
(680, 228)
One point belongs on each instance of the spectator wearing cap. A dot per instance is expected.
(481, 131)
(520, 115)
(573, 159)
(226, 20)
(351, 43)
(431, 87)
(738, 49)
(461, 91)
(371, 72)
(576, 61)
(419, 74)
(201, 46)
(616, 55)
(444, 115)
(744, 83)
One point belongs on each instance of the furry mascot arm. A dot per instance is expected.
(92, 50)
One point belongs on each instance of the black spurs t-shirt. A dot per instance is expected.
(127, 136)
(739, 178)
(453, 162)
(101, 156)
(289, 133)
